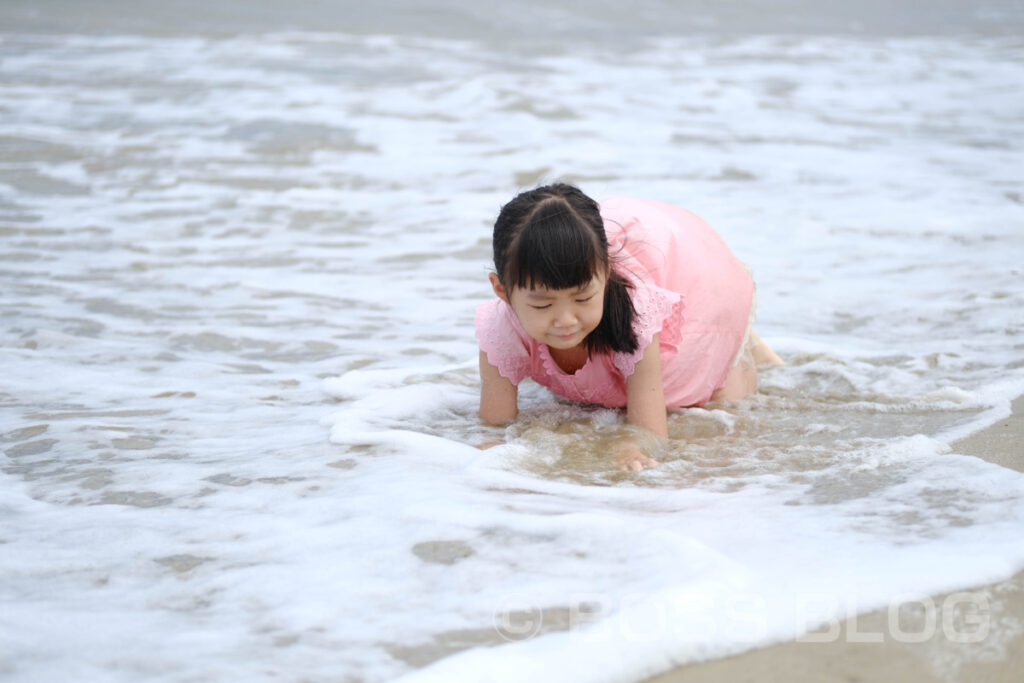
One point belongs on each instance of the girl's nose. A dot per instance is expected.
(565, 317)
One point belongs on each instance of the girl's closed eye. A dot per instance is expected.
(583, 301)
(540, 308)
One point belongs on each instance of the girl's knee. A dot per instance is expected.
(763, 354)
(741, 382)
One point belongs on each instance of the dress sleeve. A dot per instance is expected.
(500, 339)
(658, 311)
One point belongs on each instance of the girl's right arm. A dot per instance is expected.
(498, 396)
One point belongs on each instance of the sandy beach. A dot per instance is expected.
(998, 658)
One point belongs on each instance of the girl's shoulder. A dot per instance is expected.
(659, 311)
(503, 339)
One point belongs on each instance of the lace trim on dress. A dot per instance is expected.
(658, 310)
(746, 349)
(552, 367)
(501, 341)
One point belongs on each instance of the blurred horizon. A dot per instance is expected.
(598, 20)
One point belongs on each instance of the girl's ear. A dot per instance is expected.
(499, 290)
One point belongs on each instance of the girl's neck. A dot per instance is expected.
(569, 360)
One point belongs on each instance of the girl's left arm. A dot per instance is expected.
(645, 396)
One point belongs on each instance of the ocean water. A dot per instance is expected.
(238, 372)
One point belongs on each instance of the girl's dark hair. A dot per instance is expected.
(553, 236)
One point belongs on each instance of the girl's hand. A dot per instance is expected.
(631, 458)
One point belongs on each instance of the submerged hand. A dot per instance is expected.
(632, 459)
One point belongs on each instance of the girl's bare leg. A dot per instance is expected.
(742, 381)
(763, 354)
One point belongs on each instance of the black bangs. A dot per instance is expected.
(555, 250)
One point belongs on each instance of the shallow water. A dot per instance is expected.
(200, 226)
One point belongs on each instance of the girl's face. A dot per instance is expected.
(560, 318)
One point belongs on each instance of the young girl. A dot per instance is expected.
(628, 303)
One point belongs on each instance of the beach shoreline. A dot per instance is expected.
(845, 656)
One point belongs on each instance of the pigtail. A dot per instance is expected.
(615, 331)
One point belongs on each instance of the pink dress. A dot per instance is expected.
(688, 287)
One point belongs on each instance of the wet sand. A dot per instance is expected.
(999, 658)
